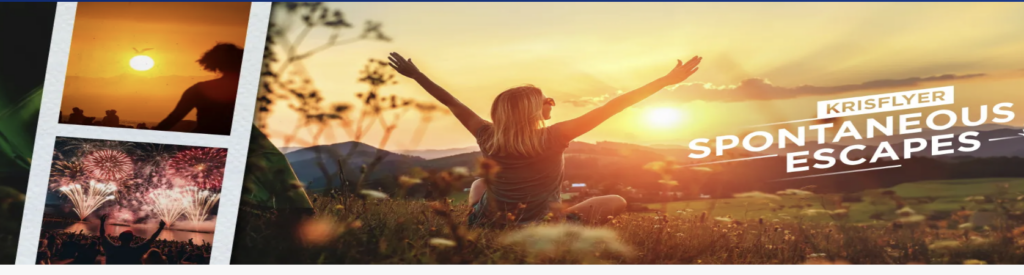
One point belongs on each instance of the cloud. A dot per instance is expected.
(762, 89)
(592, 101)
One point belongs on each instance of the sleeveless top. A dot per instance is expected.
(525, 187)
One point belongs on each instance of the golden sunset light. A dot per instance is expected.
(752, 74)
(665, 117)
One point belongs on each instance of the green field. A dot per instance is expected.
(924, 197)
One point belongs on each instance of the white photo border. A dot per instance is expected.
(49, 129)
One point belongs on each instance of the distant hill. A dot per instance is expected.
(621, 165)
(439, 153)
(304, 163)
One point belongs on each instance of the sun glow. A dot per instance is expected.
(664, 117)
(141, 63)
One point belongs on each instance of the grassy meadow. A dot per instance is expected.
(928, 198)
(920, 222)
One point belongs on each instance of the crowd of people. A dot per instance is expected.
(64, 247)
(111, 119)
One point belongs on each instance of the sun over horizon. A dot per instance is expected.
(583, 54)
(139, 57)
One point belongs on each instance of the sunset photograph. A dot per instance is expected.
(159, 66)
(564, 133)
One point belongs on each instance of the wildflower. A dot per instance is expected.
(757, 195)
(976, 199)
(438, 208)
(794, 192)
(913, 219)
(820, 261)
(407, 181)
(487, 168)
(441, 242)
(905, 211)
(567, 241)
(372, 194)
(1019, 231)
(975, 240)
(815, 212)
(318, 231)
(460, 171)
(944, 245)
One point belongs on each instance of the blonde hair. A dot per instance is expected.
(518, 128)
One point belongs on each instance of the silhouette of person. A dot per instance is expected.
(111, 120)
(214, 100)
(125, 252)
(43, 254)
(87, 253)
(153, 256)
(77, 116)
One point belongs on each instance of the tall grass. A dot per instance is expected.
(412, 232)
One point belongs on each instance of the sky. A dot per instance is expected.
(763, 62)
(99, 76)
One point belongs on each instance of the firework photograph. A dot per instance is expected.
(116, 202)
(158, 66)
(636, 133)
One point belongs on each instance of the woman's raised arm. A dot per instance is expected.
(467, 117)
(576, 127)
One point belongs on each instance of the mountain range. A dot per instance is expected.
(582, 156)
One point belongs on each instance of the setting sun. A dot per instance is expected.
(141, 63)
(664, 117)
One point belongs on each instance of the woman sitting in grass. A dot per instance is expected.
(526, 187)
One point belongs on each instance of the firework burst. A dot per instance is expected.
(200, 203)
(108, 165)
(202, 166)
(65, 172)
(87, 200)
(168, 204)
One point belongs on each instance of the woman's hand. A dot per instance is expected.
(682, 71)
(404, 66)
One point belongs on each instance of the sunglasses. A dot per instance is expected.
(549, 101)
